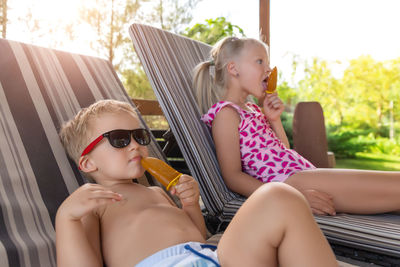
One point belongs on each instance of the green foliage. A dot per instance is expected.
(320, 85)
(213, 30)
(109, 21)
(346, 143)
(287, 122)
(361, 108)
(368, 94)
(136, 83)
(371, 87)
(287, 94)
(134, 79)
(385, 146)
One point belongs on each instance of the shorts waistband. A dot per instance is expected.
(179, 249)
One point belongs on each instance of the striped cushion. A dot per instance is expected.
(168, 60)
(39, 90)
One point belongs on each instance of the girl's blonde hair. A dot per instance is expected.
(210, 77)
(75, 134)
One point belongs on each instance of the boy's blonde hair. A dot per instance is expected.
(74, 134)
(210, 77)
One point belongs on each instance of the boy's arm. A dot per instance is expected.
(77, 228)
(187, 190)
(195, 214)
(78, 241)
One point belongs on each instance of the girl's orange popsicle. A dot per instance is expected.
(164, 173)
(272, 80)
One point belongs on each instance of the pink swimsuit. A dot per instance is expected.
(263, 155)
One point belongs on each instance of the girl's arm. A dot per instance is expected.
(226, 139)
(279, 131)
(273, 108)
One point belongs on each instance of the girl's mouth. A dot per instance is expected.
(264, 84)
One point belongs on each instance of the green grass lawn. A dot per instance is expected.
(369, 161)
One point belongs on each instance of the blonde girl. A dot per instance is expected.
(252, 147)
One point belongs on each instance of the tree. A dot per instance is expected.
(170, 15)
(374, 89)
(109, 20)
(366, 97)
(320, 85)
(3, 17)
(166, 14)
(213, 30)
(137, 84)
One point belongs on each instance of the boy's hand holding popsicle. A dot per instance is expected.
(181, 185)
(187, 190)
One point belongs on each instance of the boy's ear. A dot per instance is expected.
(86, 164)
(231, 68)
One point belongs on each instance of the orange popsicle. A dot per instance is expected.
(164, 173)
(271, 81)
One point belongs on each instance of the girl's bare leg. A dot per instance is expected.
(274, 227)
(353, 191)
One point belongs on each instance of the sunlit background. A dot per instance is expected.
(344, 54)
(337, 30)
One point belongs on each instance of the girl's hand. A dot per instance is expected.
(85, 199)
(187, 190)
(273, 106)
(321, 203)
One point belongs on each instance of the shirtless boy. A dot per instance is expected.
(121, 223)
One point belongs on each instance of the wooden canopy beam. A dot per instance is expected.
(265, 21)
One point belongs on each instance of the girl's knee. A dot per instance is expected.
(279, 193)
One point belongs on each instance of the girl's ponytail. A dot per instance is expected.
(203, 82)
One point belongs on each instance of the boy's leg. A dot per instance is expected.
(353, 191)
(274, 227)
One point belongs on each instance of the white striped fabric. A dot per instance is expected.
(40, 89)
(168, 60)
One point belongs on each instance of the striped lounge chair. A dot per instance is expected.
(168, 60)
(39, 90)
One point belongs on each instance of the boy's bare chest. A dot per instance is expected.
(133, 204)
(139, 220)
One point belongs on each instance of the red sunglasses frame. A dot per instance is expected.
(98, 139)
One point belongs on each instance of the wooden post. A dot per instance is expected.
(264, 21)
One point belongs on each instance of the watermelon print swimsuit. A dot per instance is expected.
(263, 155)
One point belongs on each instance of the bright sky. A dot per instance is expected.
(329, 29)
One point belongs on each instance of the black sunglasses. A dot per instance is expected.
(121, 138)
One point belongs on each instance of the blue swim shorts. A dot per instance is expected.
(191, 254)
